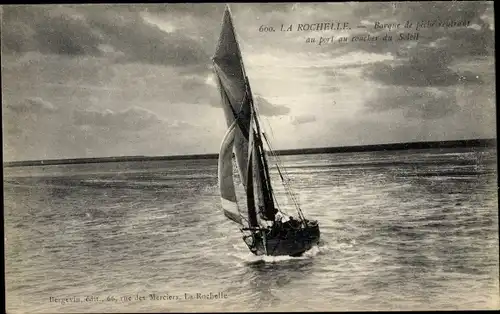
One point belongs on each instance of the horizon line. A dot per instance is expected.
(481, 142)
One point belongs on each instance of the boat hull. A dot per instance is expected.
(292, 243)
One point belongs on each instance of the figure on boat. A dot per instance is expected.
(266, 230)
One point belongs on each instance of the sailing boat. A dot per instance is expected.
(263, 230)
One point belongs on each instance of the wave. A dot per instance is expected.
(15, 184)
(386, 164)
(251, 259)
(448, 174)
(130, 173)
(122, 184)
(128, 184)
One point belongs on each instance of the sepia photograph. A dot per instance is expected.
(249, 157)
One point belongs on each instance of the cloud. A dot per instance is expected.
(422, 79)
(425, 62)
(475, 12)
(212, 10)
(131, 119)
(144, 42)
(194, 9)
(29, 105)
(48, 30)
(81, 82)
(330, 89)
(136, 30)
(87, 63)
(36, 109)
(17, 36)
(303, 119)
(95, 30)
(268, 109)
(264, 107)
(420, 72)
(63, 34)
(39, 131)
(197, 89)
(426, 104)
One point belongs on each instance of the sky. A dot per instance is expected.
(120, 80)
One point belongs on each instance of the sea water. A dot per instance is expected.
(400, 230)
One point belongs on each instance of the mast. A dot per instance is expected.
(269, 206)
(252, 214)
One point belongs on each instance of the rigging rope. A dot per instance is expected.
(288, 189)
(279, 161)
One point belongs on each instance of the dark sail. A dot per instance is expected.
(231, 81)
(246, 138)
(269, 210)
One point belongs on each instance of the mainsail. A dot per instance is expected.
(225, 175)
(243, 135)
